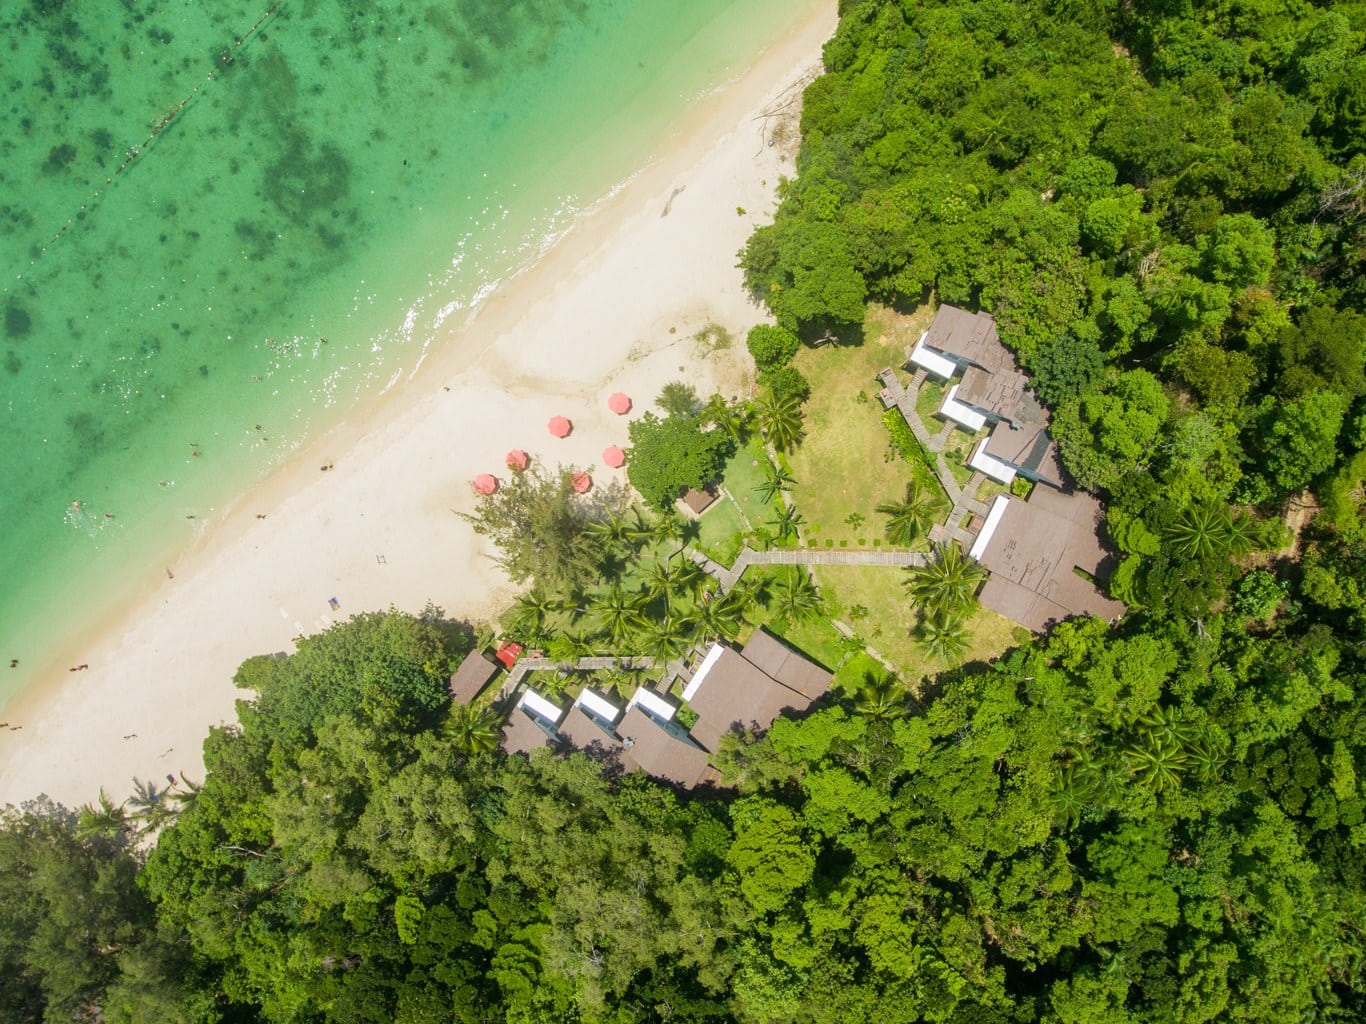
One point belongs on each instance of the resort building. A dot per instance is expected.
(746, 688)
(469, 680)
(1044, 553)
(750, 687)
(993, 390)
(1044, 556)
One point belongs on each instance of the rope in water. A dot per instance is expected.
(136, 151)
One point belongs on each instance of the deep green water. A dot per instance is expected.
(194, 196)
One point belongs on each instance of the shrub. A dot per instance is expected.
(786, 382)
(771, 346)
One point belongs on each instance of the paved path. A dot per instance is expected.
(801, 556)
(525, 665)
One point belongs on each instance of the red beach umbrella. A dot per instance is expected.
(560, 427)
(582, 482)
(485, 483)
(619, 403)
(517, 459)
(614, 457)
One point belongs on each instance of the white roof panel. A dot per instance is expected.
(604, 709)
(702, 671)
(937, 364)
(540, 707)
(1001, 472)
(651, 702)
(960, 413)
(998, 509)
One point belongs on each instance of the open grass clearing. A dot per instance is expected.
(874, 601)
(846, 466)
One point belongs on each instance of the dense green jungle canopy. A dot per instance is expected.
(1163, 203)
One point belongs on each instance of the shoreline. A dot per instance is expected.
(612, 304)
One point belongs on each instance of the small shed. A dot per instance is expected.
(469, 680)
(696, 502)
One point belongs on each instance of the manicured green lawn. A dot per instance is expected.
(721, 532)
(891, 618)
(845, 466)
(745, 472)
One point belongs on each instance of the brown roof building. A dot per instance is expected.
(662, 749)
(1033, 550)
(523, 732)
(993, 389)
(471, 677)
(729, 689)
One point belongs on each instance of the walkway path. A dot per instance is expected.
(801, 556)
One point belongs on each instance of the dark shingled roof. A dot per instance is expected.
(472, 676)
(969, 336)
(699, 501)
(523, 733)
(584, 731)
(778, 660)
(737, 693)
(661, 750)
(1032, 555)
(1031, 449)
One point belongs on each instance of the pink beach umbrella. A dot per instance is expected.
(517, 459)
(486, 483)
(619, 403)
(559, 426)
(582, 482)
(614, 457)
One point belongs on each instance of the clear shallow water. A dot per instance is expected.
(194, 197)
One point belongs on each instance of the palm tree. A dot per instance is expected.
(911, 519)
(795, 597)
(473, 730)
(779, 419)
(943, 636)
(947, 584)
(1241, 533)
(715, 615)
(1162, 725)
(613, 533)
(749, 594)
(1201, 531)
(880, 696)
(776, 480)
(668, 527)
(730, 418)
(1157, 764)
(665, 638)
(528, 615)
(187, 795)
(617, 613)
(570, 646)
(1071, 796)
(150, 807)
(787, 522)
(109, 819)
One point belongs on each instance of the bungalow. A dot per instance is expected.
(750, 687)
(531, 725)
(993, 390)
(469, 680)
(645, 737)
(1044, 555)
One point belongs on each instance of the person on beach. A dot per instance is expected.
(14, 663)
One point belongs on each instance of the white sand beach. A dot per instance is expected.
(613, 306)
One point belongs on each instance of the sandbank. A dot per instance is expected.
(613, 305)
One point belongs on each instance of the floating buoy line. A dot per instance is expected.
(134, 152)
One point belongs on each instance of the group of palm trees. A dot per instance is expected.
(778, 418)
(668, 606)
(144, 813)
(945, 588)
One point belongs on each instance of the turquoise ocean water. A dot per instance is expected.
(194, 196)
